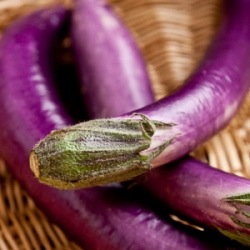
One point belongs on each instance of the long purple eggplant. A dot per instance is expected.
(208, 196)
(108, 58)
(111, 150)
(100, 218)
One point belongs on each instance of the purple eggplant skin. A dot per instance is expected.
(99, 218)
(210, 197)
(214, 93)
(108, 58)
(159, 133)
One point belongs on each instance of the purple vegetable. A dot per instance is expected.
(111, 150)
(209, 196)
(108, 58)
(101, 218)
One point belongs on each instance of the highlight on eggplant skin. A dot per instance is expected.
(201, 108)
(110, 214)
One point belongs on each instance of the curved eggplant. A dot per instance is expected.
(107, 58)
(126, 146)
(100, 218)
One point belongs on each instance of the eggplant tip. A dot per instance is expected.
(34, 164)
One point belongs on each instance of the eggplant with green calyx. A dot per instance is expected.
(209, 197)
(100, 218)
(190, 116)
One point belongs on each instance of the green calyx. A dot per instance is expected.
(242, 238)
(97, 152)
(241, 218)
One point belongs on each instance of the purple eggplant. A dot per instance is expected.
(100, 218)
(108, 58)
(102, 151)
(208, 196)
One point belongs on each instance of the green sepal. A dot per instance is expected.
(97, 152)
(242, 238)
(241, 218)
(242, 198)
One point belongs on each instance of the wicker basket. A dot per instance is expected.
(172, 34)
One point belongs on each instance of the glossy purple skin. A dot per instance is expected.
(213, 94)
(108, 58)
(199, 192)
(100, 218)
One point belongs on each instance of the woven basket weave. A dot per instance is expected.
(173, 35)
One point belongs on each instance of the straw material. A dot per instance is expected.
(173, 35)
